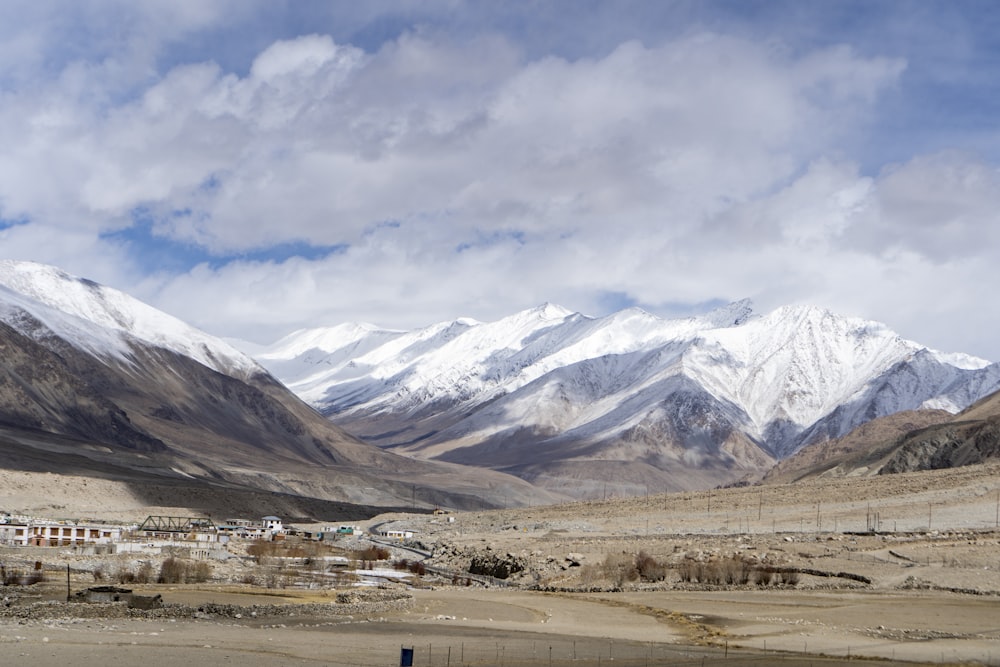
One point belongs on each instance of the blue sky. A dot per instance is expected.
(258, 167)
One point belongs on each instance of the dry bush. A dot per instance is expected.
(763, 576)
(144, 575)
(200, 572)
(648, 568)
(734, 571)
(262, 549)
(126, 575)
(788, 578)
(173, 571)
(614, 566)
(729, 571)
(371, 553)
(302, 549)
(619, 568)
(177, 571)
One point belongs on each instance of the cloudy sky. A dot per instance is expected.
(258, 167)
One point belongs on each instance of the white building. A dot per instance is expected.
(272, 525)
(397, 534)
(14, 534)
(43, 533)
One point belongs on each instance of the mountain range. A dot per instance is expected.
(94, 382)
(533, 408)
(628, 403)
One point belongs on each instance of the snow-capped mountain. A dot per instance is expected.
(93, 380)
(41, 300)
(572, 402)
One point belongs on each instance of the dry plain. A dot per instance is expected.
(923, 587)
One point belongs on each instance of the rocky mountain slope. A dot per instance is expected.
(625, 403)
(903, 442)
(96, 380)
(972, 436)
(858, 453)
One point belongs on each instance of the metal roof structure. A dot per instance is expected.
(176, 524)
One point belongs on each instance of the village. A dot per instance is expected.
(263, 552)
(163, 531)
(154, 533)
(669, 579)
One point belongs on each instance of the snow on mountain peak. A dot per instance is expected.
(960, 360)
(547, 311)
(72, 307)
(730, 315)
(548, 368)
(323, 339)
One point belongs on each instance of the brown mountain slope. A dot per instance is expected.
(904, 442)
(960, 442)
(860, 452)
(164, 414)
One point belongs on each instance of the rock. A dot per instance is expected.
(491, 565)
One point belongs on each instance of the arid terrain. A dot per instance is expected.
(893, 569)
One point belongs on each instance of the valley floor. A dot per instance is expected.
(496, 627)
(925, 588)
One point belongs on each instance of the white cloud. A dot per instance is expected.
(684, 170)
(942, 207)
(420, 128)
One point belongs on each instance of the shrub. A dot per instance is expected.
(262, 549)
(173, 571)
(763, 576)
(648, 568)
(734, 571)
(372, 553)
(731, 571)
(124, 575)
(177, 571)
(200, 572)
(145, 573)
(788, 577)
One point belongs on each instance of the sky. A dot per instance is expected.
(257, 167)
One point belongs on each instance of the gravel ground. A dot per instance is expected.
(925, 587)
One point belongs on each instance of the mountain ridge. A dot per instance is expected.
(83, 363)
(561, 387)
